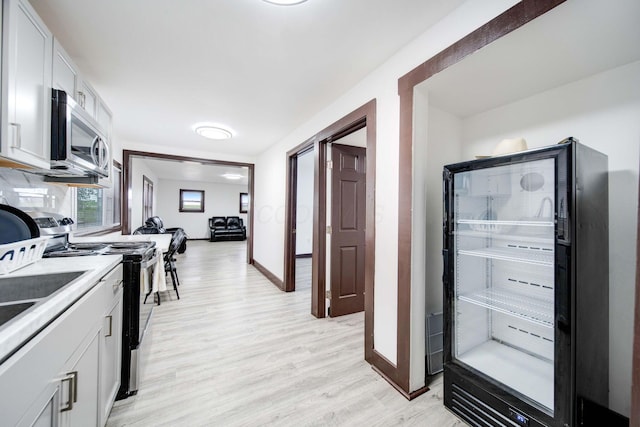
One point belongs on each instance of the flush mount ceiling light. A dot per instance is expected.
(212, 131)
(233, 176)
(285, 2)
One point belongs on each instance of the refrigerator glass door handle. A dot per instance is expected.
(564, 297)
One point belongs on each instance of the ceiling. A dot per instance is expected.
(194, 171)
(260, 69)
(575, 40)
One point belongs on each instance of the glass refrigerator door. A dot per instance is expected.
(504, 276)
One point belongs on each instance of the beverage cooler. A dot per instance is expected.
(526, 287)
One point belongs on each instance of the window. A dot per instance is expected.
(90, 207)
(191, 200)
(244, 202)
(99, 208)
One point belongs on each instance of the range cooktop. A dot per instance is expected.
(102, 248)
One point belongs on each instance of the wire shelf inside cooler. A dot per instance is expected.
(533, 310)
(483, 225)
(531, 241)
(529, 255)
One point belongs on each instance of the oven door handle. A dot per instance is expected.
(152, 261)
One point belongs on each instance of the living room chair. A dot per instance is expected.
(226, 228)
(157, 223)
(169, 260)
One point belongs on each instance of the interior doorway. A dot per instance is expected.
(193, 164)
(147, 198)
(304, 220)
(362, 119)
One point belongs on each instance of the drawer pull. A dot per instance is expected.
(72, 396)
(110, 326)
(17, 136)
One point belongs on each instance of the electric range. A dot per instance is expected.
(140, 260)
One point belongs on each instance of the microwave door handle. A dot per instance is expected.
(95, 151)
(105, 162)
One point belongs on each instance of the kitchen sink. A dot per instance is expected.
(25, 288)
(18, 294)
(8, 312)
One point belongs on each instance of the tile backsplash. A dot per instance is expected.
(28, 191)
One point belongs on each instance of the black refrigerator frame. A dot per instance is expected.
(581, 309)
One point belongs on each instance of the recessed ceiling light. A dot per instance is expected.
(285, 2)
(232, 176)
(212, 131)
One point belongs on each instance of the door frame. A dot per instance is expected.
(127, 166)
(291, 203)
(356, 120)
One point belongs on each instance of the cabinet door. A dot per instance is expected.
(65, 73)
(48, 416)
(84, 373)
(87, 97)
(45, 412)
(103, 115)
(110, 362)
(27, 53)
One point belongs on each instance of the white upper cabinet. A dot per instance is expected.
(65, 72)
(27, 48)
(103, 115)
(32, 63)
(87, 97)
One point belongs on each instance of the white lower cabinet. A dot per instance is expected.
(111, 358)
(80, 386)
(46, 409)
(68, 374)
(49, 413)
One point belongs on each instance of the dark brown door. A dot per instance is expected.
(348, 188)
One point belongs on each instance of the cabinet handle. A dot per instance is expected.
(110, 326)
(17, 139)
(72, 396)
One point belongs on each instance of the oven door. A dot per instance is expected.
(147, 271)
(145, 303)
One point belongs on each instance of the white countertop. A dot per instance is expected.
(22, 327)
(162, 240)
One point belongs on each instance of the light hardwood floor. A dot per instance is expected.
(236, 351)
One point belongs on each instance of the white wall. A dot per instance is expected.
(437, 141)
(219, 200)
(304, 207)
(381, 85)
(602, 112)
(139, 168)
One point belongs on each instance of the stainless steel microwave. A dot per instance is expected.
(78, 147)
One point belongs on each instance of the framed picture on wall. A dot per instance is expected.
(191, 200)
(244, 202)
